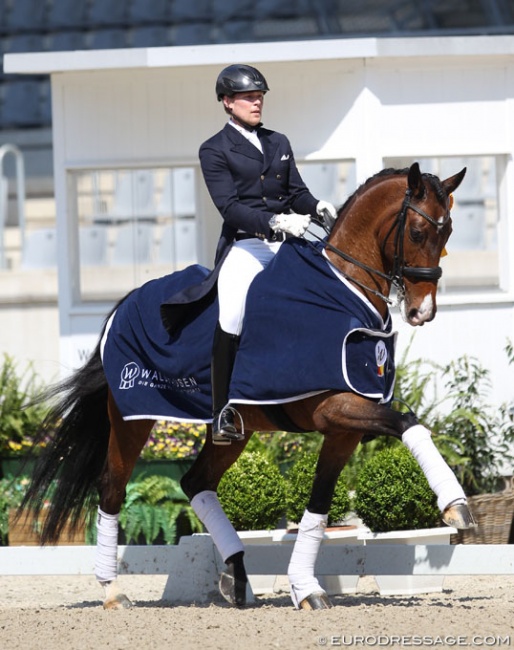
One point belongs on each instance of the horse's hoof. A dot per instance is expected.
(318, 600)
(459, 516)
(118, 602)
(232, 589)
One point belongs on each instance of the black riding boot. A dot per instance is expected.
(224, 351)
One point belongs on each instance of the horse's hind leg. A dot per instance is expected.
(126, 441)
(200, 484)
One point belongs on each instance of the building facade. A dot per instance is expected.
(131, 204)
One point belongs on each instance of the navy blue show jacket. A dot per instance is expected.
(248, 187)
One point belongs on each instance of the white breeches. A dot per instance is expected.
(245, 259)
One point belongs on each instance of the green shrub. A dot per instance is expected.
(20, 419)
(282, 447)
(360, 456)
(299, 480)
(392, 493)
(252, 492)
(474, 437)
(12, 491)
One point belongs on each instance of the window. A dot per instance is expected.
(329, 181)
(133, 225)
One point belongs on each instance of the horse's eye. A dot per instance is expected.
(416, 236)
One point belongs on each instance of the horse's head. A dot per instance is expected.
(392, 231)
(422, 230)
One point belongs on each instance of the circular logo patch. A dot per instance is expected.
(381, 357)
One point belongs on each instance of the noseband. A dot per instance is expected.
(400, 270)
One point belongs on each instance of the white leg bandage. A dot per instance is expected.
(305, 552)
(106, 563)
(211, 514)
(439, 476)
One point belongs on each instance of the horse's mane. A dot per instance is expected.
(433, 180)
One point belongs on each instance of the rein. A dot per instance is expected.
(399, 269)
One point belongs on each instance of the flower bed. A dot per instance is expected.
(174, 441)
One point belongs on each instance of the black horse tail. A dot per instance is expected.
(71, 449)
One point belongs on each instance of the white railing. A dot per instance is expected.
(193, 565)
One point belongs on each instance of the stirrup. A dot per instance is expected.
(224, 436)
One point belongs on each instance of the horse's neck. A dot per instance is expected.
(359, 234)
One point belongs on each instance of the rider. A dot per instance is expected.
(253, 180)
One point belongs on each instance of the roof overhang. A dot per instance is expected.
(284, 51)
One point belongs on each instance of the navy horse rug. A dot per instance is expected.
(307, 330)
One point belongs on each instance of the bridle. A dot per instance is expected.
(399, 270)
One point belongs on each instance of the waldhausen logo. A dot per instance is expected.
(129, 374)
(133, 375)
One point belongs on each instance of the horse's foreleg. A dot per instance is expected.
(126, 441)
(343, 419)
(200, 484)
(352, 413)
(450, 495)
(306, 591)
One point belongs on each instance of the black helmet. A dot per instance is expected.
(239, 79)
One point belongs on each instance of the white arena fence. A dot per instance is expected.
(193, 566)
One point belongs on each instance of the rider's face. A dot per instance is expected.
(245, 108)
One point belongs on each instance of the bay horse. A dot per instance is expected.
(390, 233)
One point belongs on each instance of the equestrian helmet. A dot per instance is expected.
(239, 78)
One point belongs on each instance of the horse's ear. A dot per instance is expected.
(414, 181)
(452, 183)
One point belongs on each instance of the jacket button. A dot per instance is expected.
(279, 176)
(262, 177)
(264, 199)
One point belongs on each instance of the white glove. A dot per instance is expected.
(325, 208)
(294, 224)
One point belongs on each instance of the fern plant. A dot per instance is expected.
(156, 505)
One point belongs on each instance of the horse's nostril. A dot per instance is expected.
(420, 316)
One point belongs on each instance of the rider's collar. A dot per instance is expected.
(242, 128)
